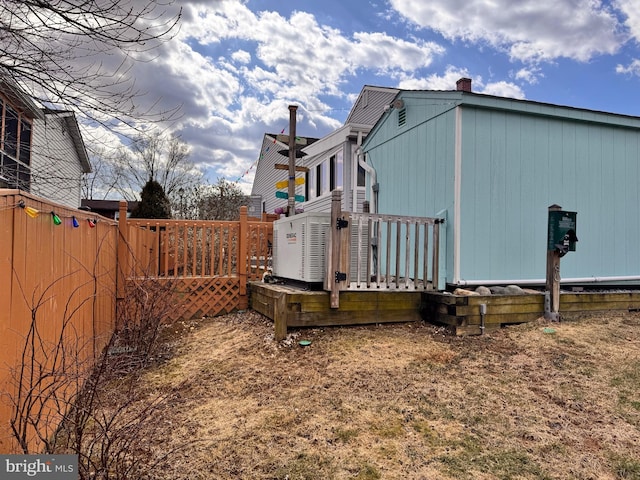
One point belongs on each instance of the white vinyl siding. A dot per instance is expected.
(56, 168)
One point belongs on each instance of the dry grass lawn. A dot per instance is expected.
(405, 401)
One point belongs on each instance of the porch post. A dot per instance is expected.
(552, 287)
(333, 252)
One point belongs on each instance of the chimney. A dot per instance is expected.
(463, 85)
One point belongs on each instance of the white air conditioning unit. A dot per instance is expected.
(299, 245)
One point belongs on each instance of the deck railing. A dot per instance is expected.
(370, 251)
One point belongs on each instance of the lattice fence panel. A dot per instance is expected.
(205, 296)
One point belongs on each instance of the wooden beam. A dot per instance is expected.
(285, 139)
(284, 166)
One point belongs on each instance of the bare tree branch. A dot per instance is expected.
(78, 54)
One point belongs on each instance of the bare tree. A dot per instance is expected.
(101, 181)
(155, 156)
(78, 54)
(221, 201)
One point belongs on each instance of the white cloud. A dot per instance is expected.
(272, 61)
(447, 81)
(631, 8)
(632, 69)
(503, 89)
(530, 30)
(529, 75)
(241, 56)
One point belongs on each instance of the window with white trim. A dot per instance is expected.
(15, 148)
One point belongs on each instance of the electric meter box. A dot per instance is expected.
(299, 246)
(561, 223)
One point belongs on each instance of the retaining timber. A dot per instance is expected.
(290, 306)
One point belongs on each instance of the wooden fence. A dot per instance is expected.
(71, 269)
(209, 261)
(54, 271)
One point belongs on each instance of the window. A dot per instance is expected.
(322, 178)
(15, 148)
(362, 176)
(335, 171)
(310, 185)
(25, 142)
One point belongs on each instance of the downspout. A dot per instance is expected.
(374, 180)
(354, 173)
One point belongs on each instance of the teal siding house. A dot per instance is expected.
(492, 166)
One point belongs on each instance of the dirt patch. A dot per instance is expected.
(408, 401)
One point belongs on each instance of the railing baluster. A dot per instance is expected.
(407, 233)
(416, 253)
(436, 258)
(425, 254)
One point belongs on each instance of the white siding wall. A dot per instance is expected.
(56, 172)
(267, 175)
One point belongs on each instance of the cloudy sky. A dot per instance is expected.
(236, 65)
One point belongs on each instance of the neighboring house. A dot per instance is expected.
(107, 208)
(330, 163)
(59, 158)
(267, 175)
(41, 150)
(17, 115)
(492, 166)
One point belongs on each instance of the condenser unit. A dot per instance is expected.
(299, 245)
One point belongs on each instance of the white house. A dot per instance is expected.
(41, 150)
(328, 164)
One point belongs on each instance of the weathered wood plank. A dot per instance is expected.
(340, 317)
(280, 317)
(502, 309)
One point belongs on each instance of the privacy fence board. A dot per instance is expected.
(53, 273)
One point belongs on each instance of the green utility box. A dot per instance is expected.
(562, 224)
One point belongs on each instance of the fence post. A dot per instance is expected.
(122, 263)
(243, 258)
(333, 252)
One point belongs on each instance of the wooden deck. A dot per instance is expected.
(290, 306)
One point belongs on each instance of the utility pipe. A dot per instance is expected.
(483, 312)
